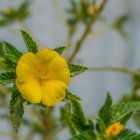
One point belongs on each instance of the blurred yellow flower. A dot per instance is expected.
(114, 129)
(42, 77)
(91, 10)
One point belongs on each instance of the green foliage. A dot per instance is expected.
(11, 52)
(23, 10)
(100, 126)
(10, 57)
(7, 77)
(86, 135)
(120, 24)
(71, 96)
(77, 12)
(105, 111)
(30, 44)
(72, 114)
(83, 129)
(1, 49)
(125, 119)
(65, 115)
(79, 121)
(119, 111)
(127, 135)
(10, 15)
(76, 69)
(136, 118)
(9, 65)
(72, 12)
(60, 50)
(16, 109)
(79, 124)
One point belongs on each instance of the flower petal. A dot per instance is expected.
(53, 92)
(25, 69)
(59, 70)
(30, 91)
(46, 56)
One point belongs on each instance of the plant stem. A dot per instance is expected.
(87, 30)
(49, 124)
(69, 42)
(115, 69)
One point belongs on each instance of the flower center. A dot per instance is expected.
(43, 75)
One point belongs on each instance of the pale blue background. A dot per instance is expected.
(100, 49)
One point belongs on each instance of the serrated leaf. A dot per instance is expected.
(78, 117)
(66, 117)
(9, 65)
(76, 69)
(16, 110)
(7, 77)
(60, 50)
(105, 111)
(85, 135)
(127, 135)
(119, 111)
(11, 52)
(100, 126)
(71, 96)
(1, 49)
(30, 44)
(90, 125)
(126, 118)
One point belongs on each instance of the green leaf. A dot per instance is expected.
(90, 125)
(60, 50)
(9, 65)
(105, 111)
(76, 69)
(78, 117)
(23, 11)
(16, 109)
(100, 126)
(127, 135)
(119, 111)
(71, 96)
(120, 25)
(86, 135)
(65, 115)
(11, 52)
(1, 49)
(30, 44)
(7, 77)
(126, 118)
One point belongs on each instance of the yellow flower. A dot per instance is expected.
(114, 129)
(91, 10)
(42, 77)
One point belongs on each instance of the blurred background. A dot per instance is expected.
(114, 42)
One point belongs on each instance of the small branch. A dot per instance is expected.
(87, 31)
(115, 69)
(69, 42)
